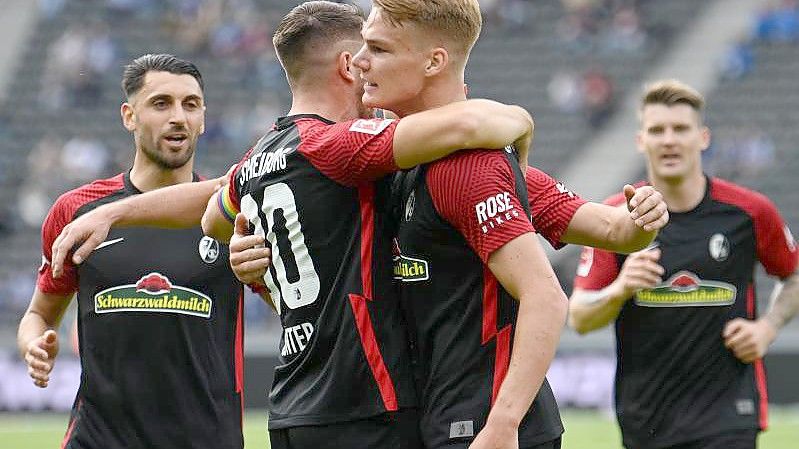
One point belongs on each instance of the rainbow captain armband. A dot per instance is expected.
(227, 205)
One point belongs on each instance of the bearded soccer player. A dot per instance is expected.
(159, 311)
(689, 339)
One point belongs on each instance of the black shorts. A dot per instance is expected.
(733, 439)
(394, 430)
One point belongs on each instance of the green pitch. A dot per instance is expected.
(584, 430)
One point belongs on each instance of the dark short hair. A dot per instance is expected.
(134, 73)
(316, 21)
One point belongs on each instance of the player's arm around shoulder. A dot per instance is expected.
(430, 135)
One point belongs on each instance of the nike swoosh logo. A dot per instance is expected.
(109, 243)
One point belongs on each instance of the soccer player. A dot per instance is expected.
(688, 337)
(485, 310)
(159, 311)
(315, 186)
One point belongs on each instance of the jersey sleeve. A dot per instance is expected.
(353, 152)
(776, 248)
(59, 216)
(552, 205)
(597, 269)
(229, 199)
(475, 192)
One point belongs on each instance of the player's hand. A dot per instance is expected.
(639, 271)
(748, 339)
(223, 180)
(647, 207)
(40, 357)
(248, 257)
(497, 437)
(88, 230)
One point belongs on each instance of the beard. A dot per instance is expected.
(163, 159)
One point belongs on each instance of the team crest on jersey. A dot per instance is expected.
(209, 249)
(719, 247)
(373, 126)
(686, 289)
(409, 205)
(153, 293)
(410, 269)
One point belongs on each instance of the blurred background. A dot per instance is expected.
(576, 65)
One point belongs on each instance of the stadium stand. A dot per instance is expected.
(568, 62)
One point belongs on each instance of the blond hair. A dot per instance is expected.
(314, 22)
(671, 92)
(457, 20)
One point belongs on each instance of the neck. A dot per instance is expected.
(681, 194)
(330, 103)
(146, 175)
(438, 92)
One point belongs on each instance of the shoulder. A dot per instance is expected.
(470, 164)
(754, 203)
(69, 202)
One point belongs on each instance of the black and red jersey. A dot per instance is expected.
(159, 332)
(675, 380)
(552, 205)
(318, 191)
(453, 214)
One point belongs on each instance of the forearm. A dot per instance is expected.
(538, 328)
(177, 206)
(786, 304)
(627, 237)
(590, 310)
(434, 134)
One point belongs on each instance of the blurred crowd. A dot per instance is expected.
(231, 39)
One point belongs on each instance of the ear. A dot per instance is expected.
(344, 67)
(639, 142)
(705, 138)
(202, 125)
(128, 116)
(437, 61)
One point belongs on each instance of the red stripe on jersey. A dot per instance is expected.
(71, 426)
(760, 372)
(238, 352)
(489, 305)
(762, 390)
(750, 302)
(366, 197)
(502, 360)
(372, 351)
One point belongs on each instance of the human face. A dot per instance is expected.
(166, 117)
(672, 138)
(392, 64)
